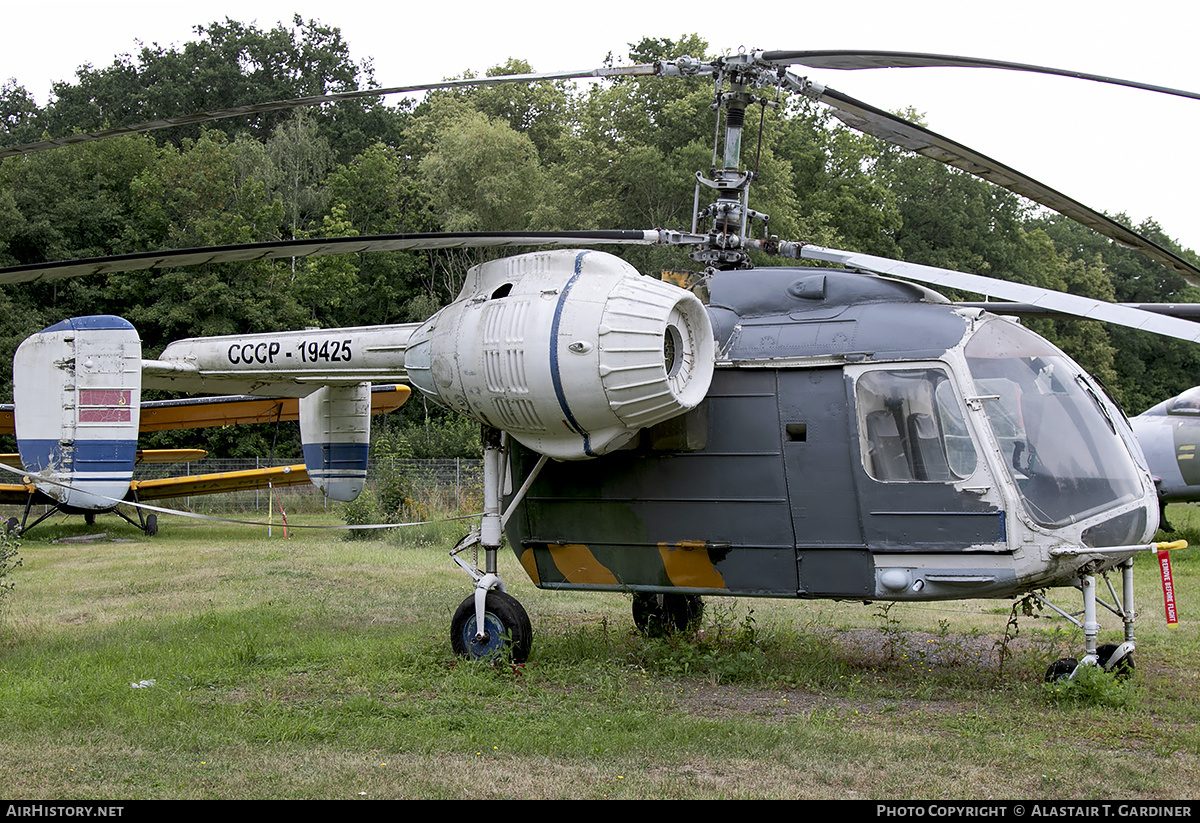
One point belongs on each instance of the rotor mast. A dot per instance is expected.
(730, 214)
(729, 217)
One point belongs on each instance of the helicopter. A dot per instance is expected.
(1169, 434)
(838, 430)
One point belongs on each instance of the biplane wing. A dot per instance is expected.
(218, 482)
(211, 412)
(241, 410)
(20, 494)
(167, 488)
(144, 456)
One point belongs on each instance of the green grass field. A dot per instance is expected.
(314, 667)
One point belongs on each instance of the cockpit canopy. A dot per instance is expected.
(1187, 403)
(1065, 445)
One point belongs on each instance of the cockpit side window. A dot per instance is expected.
(911, 427)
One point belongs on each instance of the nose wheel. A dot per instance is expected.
(491, 624)
(1111, 657)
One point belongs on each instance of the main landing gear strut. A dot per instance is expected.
(491, 623)
(147, 523)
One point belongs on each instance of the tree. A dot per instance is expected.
(373, 194)
(72, 203)
(323, 286)
(841, 198)
(190, 198)
(481, 175)
(1150, 367)
(541, 111)
(1087, 342)
(230, 64)
(299, 159)
(18, 115)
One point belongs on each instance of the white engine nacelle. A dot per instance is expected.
(570, 352)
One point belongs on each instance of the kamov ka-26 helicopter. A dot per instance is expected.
(778, 432)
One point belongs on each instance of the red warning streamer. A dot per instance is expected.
(1168, 584)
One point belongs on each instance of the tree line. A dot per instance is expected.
(538, 156)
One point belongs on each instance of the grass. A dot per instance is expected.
(314, 667)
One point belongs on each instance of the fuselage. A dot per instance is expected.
(861, 438)
(1169, 434)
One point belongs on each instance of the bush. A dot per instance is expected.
(1092, 686)
(8, 560)
(362, 511)
(398, 497)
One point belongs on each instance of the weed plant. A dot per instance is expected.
(1092, 686)
(9, 560)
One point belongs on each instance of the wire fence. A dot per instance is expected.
(447, 485)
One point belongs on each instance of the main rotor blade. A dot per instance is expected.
(283, 249)
(1187, 311)
(1049, 300)
(316, 100)
(850, 60)
(878, 123)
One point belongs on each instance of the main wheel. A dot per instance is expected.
(507, 632)
(656, 615)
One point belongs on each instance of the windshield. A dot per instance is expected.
(1057, 435)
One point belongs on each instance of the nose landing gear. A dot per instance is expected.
(1115, 658)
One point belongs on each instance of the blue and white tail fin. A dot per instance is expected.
(77, 391)
(335, 428)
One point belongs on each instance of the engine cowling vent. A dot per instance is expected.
(571, 352)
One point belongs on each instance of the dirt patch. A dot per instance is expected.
(875, 650)
(876, 647)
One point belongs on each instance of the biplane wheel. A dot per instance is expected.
(12, 526)
(1123, 668)
(89, 518)
(656, 615)
(507, 631)
(151, 525)
(1061, 669)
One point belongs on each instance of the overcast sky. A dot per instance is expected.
(1116, 150)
